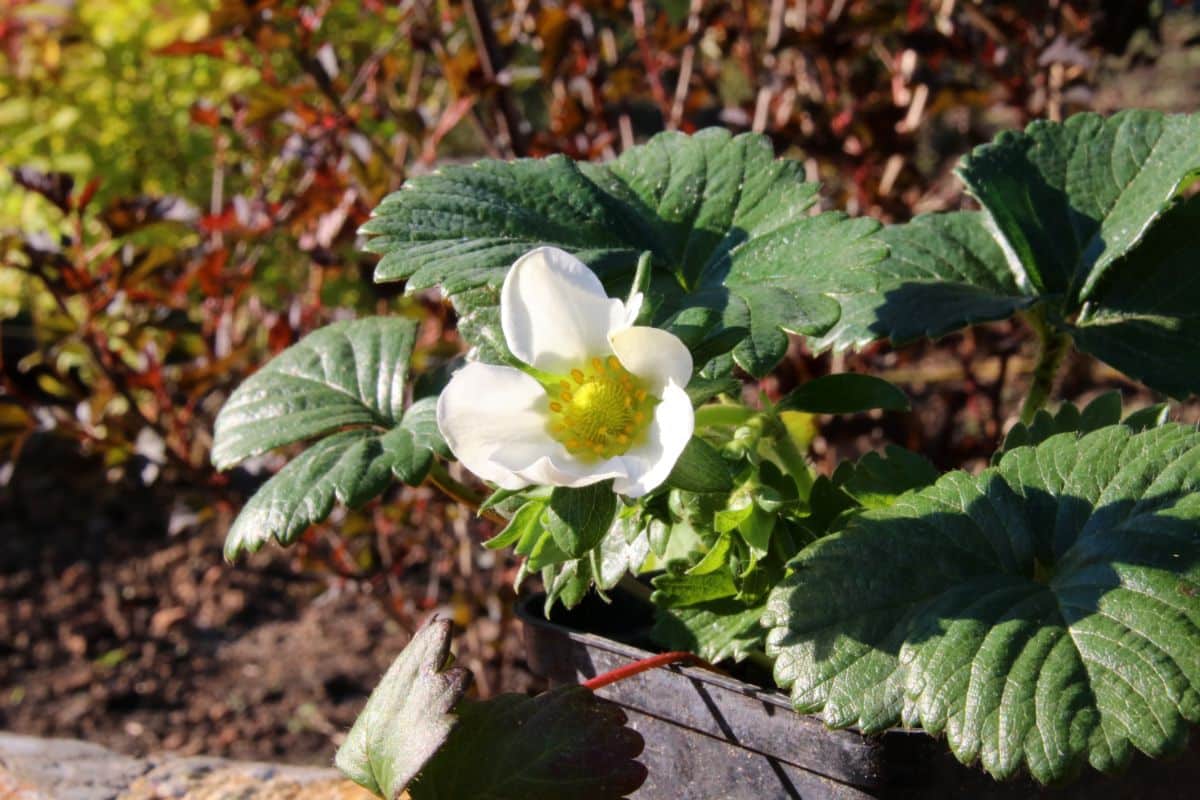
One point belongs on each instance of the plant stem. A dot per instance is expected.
(440, 477)
(1053, 350)
(785, 447)
(643, 665)
(794, 460)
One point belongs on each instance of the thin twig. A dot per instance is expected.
(491, 61)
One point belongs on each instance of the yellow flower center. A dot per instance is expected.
(600, 412)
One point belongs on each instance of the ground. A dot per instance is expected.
(115, 630)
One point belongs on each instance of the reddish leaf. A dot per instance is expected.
(54, 186)
(204, 47)
(128, 214)
(204, 114)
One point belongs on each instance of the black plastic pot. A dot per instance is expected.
(711, 737)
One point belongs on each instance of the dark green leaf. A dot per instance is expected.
(944, 272)
(1040, 614)
(579, 518)
(345, 374)
(350, 468)
(408, 717)
(567, 582)
(700, 468)
(715, 631)
(876, 481)
(345, 382)
(527, 519)
(1070, 199)
(1148, 417)
(566, 744)
(675, 589)
(623, 549)
(1081, 218)
(701, 389)
(845, 393)
(1104, 410)
(500, 498)
(727, 226)
(827, 503)
(1144, 318)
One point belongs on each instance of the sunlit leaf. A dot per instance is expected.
(1038, 615)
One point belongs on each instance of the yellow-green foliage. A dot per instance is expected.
(88, 95)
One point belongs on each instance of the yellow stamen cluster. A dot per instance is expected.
(601, 411)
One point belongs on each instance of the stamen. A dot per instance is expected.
(601, 411)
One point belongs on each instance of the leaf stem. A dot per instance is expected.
(785, 447)
(1053, 349)
(440, 477)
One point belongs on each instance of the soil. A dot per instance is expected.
(121, 624)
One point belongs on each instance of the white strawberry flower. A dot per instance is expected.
(608, 402)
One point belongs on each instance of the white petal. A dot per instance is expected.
(487, 410)
(554, 311)
(655, 356)
(649, 465)
(560, 468)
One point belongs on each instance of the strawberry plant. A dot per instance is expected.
(1041, 614)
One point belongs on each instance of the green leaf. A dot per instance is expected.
(727, 226)
(1082, 218)
(700, 468)
(566, 744)
(1144, 318)
(715, 631)
(845, 393)
(702, 389)
(350, 468)
(1039, 614)
(408, 718)
(1148, 417)
(876, 481)
(676, 589)
(526, 522)
(714, 559)
(344, 382)
(1103, 411)
(1071, 199)
(348, 374)
(943, 272)
(623, 549)
(579, 518)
